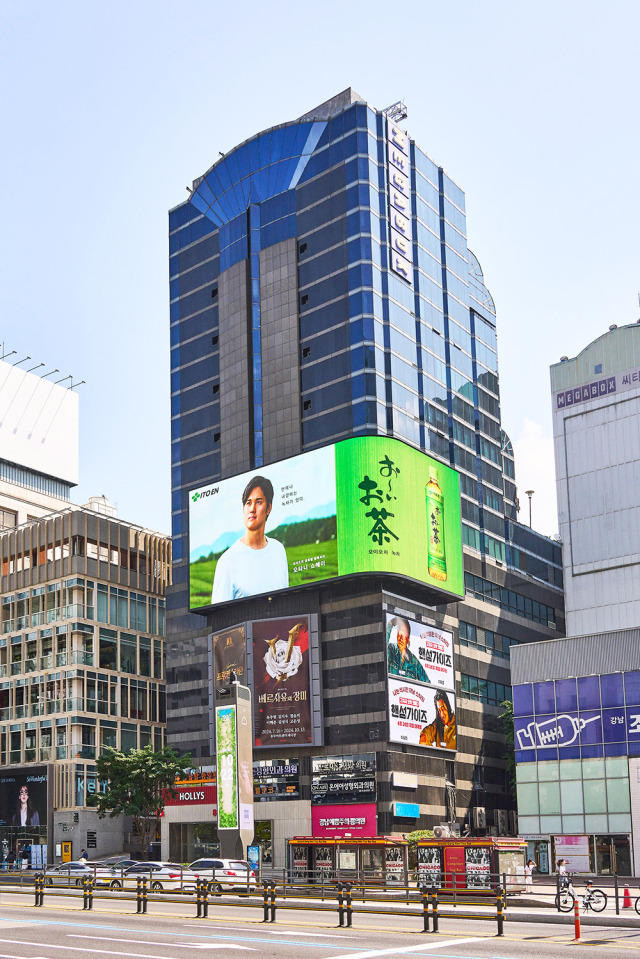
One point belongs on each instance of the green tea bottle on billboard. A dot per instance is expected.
(437, 560)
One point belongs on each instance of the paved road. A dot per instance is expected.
(61, 930)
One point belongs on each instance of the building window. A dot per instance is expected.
(483, 691)
(8, 519)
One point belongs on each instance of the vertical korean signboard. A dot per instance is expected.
(399, 170)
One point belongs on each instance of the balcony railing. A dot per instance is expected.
(6, 713)
(30, 755)
(8, 626)
(46, 753)
(61, 659)
(30, 665)
(37, 709)
(61, 752)
(73, 705)
(3, 670)
(15, 756)
(16, 668)
(73, 611)
(20, 711)
(46, 662)
(79, 658)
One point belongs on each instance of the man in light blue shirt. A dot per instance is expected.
(254, 564)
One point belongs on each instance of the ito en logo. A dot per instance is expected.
(195, 497)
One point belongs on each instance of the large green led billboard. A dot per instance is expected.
(367, 504)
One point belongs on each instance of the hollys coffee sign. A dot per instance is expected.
(193, 794)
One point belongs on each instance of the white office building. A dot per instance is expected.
(596, 419)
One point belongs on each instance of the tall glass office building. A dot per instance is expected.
(322, 289)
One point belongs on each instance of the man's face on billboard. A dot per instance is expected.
(402, 639)
(444, 712)
(256, 510)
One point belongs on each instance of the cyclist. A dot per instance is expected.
(562, 872)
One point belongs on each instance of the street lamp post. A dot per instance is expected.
(529, 493)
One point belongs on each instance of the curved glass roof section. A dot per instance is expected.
(262, 167)
(477, 277)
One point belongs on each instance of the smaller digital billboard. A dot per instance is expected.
(418, 652)
(369, 504)
(421, 715)
(23, 798)
(281, 680)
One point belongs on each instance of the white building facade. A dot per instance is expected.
(577, 700)
(596, 414)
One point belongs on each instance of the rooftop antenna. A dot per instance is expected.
(397, 111)
(24, 360)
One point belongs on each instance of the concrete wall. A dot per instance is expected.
(112, 835)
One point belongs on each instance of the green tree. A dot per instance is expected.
(137, 784)
(412, 839)
(508, 728)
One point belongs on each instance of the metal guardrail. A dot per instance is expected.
(343, 897)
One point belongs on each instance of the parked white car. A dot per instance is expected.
(225, 874)
(159, 876)
(73, 874)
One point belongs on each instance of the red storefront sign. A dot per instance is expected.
(193, 794)
(352, 819)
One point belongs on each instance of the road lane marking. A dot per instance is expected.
(170, 945)
(374, 953)
(296, 932)
(108, 952)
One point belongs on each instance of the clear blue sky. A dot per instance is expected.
(110, 110)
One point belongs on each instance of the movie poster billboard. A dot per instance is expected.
(367, 504)
(229, 654)
(281, 679)
(421, 715)
(394, 864)
(420, 653)
(23, 798)
(429, 860)
(477, 863)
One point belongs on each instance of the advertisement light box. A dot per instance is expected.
(369, 504)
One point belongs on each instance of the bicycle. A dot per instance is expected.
(594, 899)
